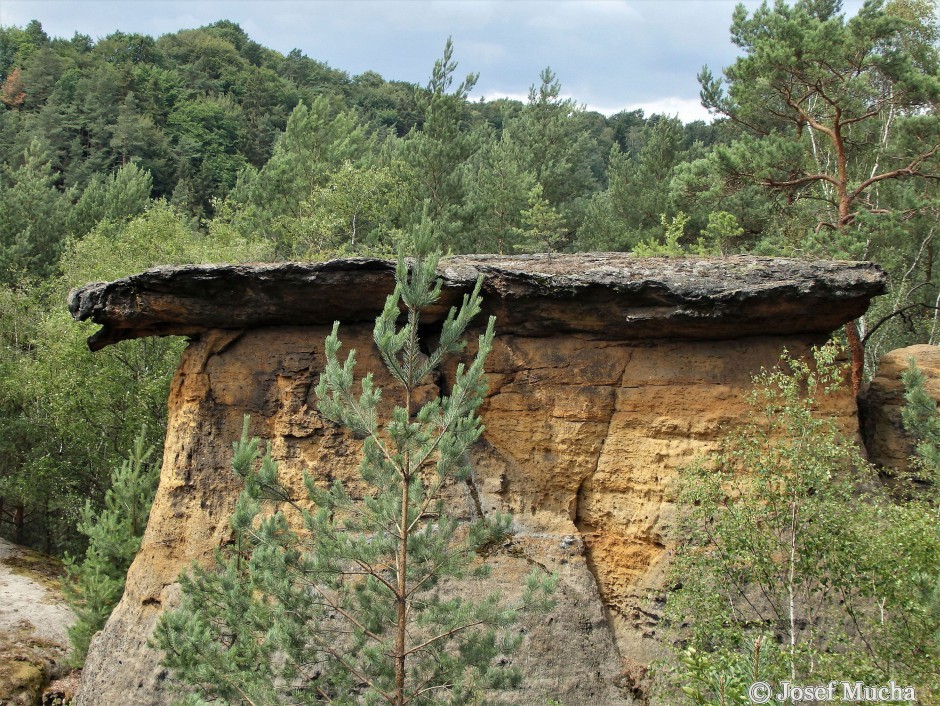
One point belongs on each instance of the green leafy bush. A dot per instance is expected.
(787, 533)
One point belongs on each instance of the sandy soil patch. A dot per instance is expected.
(34, 621)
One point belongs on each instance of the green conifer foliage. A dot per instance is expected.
(922, 420)
(116, 197)
(435, 153)
(95, 586)
(358, 607)
(33, 217)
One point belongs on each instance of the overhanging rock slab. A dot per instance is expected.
(613, 295)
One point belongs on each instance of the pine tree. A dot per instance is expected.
(276, 200)
(95, 586)
(33, 216)
(356, 609)
(553, 146)
(835, 113)
(435, 153)
(116, 197)
(498, 189)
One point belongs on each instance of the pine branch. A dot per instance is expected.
(444, 635)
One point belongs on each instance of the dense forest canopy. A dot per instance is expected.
(130, 151)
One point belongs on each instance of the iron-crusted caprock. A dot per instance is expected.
(613, 295)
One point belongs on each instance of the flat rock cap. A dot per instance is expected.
(613, 296)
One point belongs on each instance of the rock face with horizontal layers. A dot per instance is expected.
(607, 374)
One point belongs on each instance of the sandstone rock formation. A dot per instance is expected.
(888, 445)
(608, 373)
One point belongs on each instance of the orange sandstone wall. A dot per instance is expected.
(584, 438)
(582, 441)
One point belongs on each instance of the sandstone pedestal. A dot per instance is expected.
(608, 373)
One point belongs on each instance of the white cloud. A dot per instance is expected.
(496, 95)
(566, 16)
(687, 109)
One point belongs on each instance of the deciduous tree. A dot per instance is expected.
(787, 541)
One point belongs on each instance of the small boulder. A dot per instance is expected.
(880, 405)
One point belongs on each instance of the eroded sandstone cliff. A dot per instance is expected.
(608, 374)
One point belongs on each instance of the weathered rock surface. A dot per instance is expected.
(586, 424)
(888, 445)
(612, 295)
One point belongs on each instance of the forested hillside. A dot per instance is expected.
(204, 146)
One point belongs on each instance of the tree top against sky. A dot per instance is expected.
(608, 54)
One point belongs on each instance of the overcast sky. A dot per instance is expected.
(608, 54)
